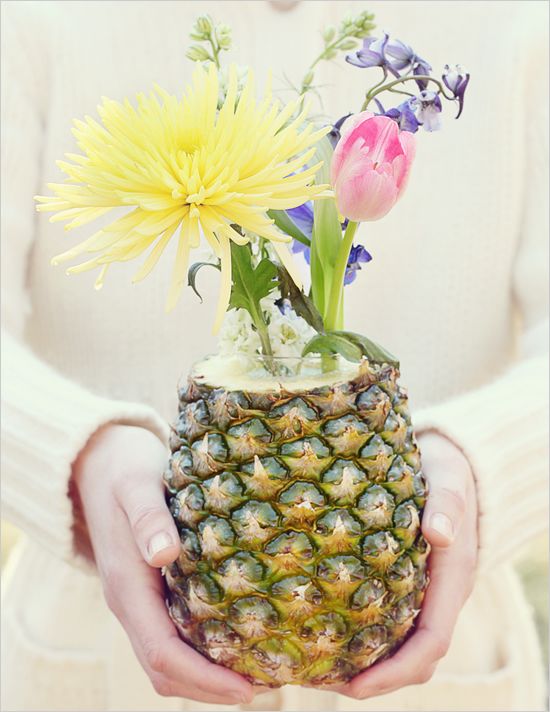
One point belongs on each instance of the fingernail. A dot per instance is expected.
(158, 542)
(442, 524)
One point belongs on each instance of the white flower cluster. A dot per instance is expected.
(237, 335)
(288, 332)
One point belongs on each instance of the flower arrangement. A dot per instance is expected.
(296, 488)
(253, 178)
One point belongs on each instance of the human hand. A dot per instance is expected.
(449, 523)
(118, 480)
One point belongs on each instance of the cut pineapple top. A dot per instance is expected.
(244, 373)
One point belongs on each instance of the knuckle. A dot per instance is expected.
(162, 686)
(455, 497)
(145, 515)
(155, 658)
(425, 675)
(439, 645)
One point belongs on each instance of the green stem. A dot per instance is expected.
(215, 52)
(328, 48)
(413, 78)
(263, 333)
(335, 311)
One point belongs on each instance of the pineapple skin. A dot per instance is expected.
(302, 559)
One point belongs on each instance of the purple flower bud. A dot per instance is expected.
(456, 80)
(334, 135)
(357, 255)
(284, 306)
(428, 105)
(421, 67)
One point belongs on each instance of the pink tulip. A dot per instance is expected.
(370, 166)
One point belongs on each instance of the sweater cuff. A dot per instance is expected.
(47, 420)
(502, 428)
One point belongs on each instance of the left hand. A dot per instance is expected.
(449, 523)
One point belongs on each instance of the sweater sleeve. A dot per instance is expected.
(46, 418)
(503, 427)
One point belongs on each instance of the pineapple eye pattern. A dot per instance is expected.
(302, 558)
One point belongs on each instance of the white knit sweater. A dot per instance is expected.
(457, 288)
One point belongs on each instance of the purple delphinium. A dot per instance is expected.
(392, 55)
(302, 217)
(372, 54)
(357, 256)
(456, 80)
(429, 108)
(334, 134)
(299, 248)
(403, 115)
(421, 67)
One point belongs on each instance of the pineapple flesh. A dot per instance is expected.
(302, 559)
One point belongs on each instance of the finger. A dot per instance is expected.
(444, 511)
(161, 651)
(196, 688)
(415, 661)
(137, 599)
(152, 524)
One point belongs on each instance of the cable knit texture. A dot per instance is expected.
(457, 288)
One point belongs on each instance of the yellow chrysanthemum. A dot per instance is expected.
(181, 163)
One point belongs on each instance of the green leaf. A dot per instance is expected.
(370, 349)
(333, 344)
(301, 303)
(250, 283)
(327, 235)
(192, 274)
(350, 345)
(285, 223)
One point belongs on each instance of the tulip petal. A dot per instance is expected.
(402, 164)
(346, 129)
(368, 196)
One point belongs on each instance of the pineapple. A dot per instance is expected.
(302, 559)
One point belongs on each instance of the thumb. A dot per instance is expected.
(447, 472)
(152, 525)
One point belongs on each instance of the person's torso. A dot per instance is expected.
(438, 291)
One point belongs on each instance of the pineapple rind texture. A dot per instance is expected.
(302, 559)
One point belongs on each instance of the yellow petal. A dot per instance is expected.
(225, 283)
(179, 272)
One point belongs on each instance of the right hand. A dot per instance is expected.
(118, 480)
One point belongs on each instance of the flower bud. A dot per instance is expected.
(204, 25)
(370, 166)
(196, 53)
(348, 44)
(308, 78)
